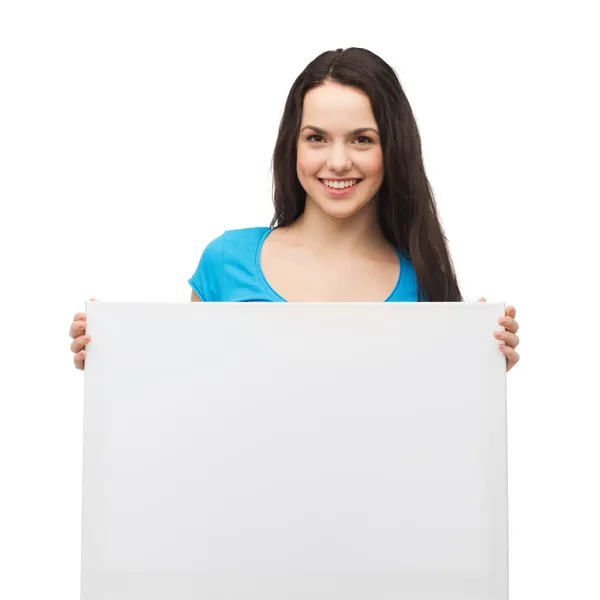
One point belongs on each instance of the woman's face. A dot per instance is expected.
(330, 148)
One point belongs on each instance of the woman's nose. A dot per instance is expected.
(339, 159)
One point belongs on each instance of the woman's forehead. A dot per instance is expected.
(337, 109)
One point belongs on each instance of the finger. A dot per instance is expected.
(509, 324)
(511, 339)
(77, 329)
(511, 312)
(482, 299)
(80, 343)
(512, 356)
(79, 360)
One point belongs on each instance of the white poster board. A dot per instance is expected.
(302, 451)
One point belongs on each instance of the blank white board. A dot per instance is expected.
(301, 451)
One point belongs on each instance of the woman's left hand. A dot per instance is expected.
(509, 336)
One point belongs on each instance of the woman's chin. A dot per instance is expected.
(341, 208)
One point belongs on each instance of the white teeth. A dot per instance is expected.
(339, 184)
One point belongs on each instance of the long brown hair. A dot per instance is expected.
(407, 210)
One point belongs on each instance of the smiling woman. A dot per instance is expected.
(355, 219)
(340, 151)
(340, 186)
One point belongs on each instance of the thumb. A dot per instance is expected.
(93, 300)
(482, 299)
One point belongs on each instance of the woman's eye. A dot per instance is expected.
(368, 140)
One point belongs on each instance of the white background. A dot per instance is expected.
(132, 133)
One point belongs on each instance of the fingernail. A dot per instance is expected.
(498, 334)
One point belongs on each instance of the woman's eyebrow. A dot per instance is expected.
(353, 132)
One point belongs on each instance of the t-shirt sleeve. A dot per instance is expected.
(207, 281)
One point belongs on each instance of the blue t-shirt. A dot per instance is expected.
(229, 271)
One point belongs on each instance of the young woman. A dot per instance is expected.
(355, 218)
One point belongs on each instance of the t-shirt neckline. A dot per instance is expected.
(266, 283)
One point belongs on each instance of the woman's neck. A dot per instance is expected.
(331, 237)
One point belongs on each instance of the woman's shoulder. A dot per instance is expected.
(234, 251)
(239, 237)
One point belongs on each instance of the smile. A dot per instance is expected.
(340, 188)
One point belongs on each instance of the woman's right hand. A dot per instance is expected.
(80, 339)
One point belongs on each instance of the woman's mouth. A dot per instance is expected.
(339, 188)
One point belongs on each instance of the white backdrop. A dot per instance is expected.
(132, 133)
